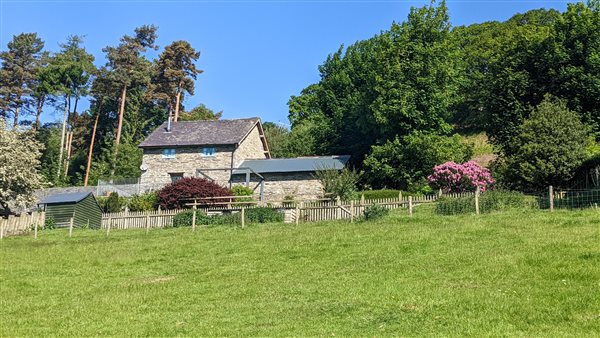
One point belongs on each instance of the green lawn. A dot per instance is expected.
(519, 273)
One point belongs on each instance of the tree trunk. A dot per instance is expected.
(89, 161)
(40, 107)
(121, 113)
(70, 138)
(16, 117)
(178, 97)
(68, 146)
(62, 138)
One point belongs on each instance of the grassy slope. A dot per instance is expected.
(517, 273)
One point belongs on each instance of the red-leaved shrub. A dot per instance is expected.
(177, 194)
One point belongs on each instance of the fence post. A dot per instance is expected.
(194, 218)
(243, 217)
(440, 192)
(351, 211)
(399, 195)
(551, 197)
(71, 227)
(297, 214)
(477, 200)
(147, 223)
(126, 220)
(108, 225)
(1, 228)
(338, 213)
(410, 205)
(35, 229)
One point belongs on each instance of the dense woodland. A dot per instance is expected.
(400, 102)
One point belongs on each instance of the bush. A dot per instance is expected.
(253, 215)
(336, 183)
(374, 212)
(178, 194)
(113, 203)
(263, 215)
(453, 177)
(49, 223)
(488, 202)
(385, 193)
(184, 218)
(143, 202)
(548, 149)
(241, 190)
(404, 163)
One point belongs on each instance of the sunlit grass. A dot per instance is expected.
(505, 274)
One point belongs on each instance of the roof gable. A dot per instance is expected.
(198, 133)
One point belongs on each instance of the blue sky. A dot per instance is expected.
(255, 54)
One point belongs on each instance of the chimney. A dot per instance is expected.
(169, 123)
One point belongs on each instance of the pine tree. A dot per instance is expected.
(176, 73)
(17, 74)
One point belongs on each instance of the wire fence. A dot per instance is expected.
(550, 199)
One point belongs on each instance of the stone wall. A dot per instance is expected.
(300, 185)
(250, 148)
(188, 160)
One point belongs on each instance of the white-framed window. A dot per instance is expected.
(169, 153)
(208, 152)
(175, 177)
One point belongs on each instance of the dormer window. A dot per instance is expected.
(208, 152)
(168, 153)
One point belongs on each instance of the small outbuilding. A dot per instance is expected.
(81, 206)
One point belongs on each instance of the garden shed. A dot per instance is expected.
(81, 206)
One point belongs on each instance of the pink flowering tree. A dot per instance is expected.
(454, 177)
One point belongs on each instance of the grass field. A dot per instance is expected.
(514, 273)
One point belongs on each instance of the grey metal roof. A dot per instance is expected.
(298, 164)
(197, 133)
(72, 197)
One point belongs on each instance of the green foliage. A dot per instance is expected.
(495, 200)
(143, 202)
(49, 223)
(253, 215)
(338, 183)
(374, 212)
(549, 147)
(19, 64)
(405, 163)
(113, 203)
(286, 144)
(242, 190)
(200, 112)
(263, 215)
(386, 193)
(381, 88)
(175, 74)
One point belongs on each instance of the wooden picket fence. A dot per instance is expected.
(297, 211)
(139, 219)
(16, 225)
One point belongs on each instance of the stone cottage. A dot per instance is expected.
(229, 152)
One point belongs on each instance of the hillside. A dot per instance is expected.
(504, 274)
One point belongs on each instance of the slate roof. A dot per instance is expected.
(72, 197)
(298, 164)
(198, 133)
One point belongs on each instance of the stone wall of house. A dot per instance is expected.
(251, 148)
(300, 185)
(188, 160)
